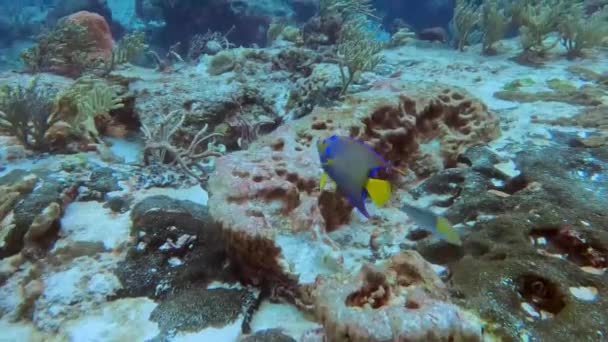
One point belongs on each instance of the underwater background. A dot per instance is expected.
(303, 170)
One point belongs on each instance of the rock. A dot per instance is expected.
(394, 301)
(433, 34)
(43, 222)
(269, 335)
(530, 249)
(25, 211)
(72, 290)
(267, 198)
(222, 62)
(194, 309)
(177, 245)
(232, 105)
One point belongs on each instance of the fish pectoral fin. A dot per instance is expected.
(323, 181)
(379, 190)
(445, 228)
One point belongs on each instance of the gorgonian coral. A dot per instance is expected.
(27, 113)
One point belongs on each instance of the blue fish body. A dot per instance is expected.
(350, 164)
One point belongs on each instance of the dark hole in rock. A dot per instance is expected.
(541, 293)
(418, 234)
(411, 304)
(497, 256)
(515, 184)
(292, 177)
(464, 160)
(477, 249)
(445, 203)
(257, 178)
(278, 144)
(441, 252)
(573, 244)
(319, 125)
(126, 115)
(457, 96)
(334, 209)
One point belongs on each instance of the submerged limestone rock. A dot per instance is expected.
(526, 249)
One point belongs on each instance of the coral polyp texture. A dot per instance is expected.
(269, 196)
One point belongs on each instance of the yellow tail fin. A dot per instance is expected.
(444, 227)
(323, 181)
(379, 190)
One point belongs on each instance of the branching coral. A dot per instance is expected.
(159, 145)
(346, 8)
(26, 113)
(493, 24)
(85, 101)
(210, 42)
(579, 31)
(538, 20)
(128, 49)
(357, 51)
(466, 17)
(64, 50)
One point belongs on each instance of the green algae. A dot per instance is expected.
(587, 95)
(518, 83)
(561, 85)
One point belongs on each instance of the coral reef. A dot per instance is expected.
(393, 301)
(268, 195)
(541, 237)
(147, 196)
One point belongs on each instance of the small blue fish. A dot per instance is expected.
(354, 167)
(438, 225)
